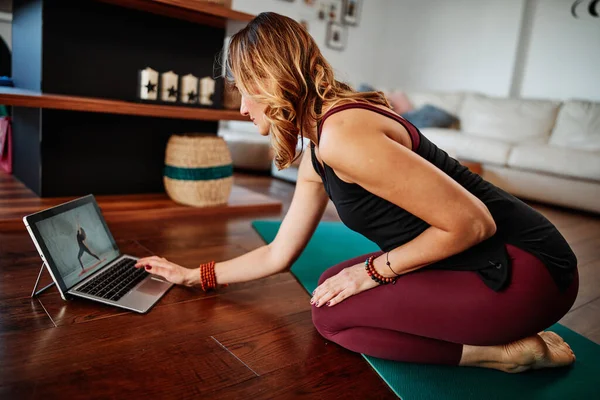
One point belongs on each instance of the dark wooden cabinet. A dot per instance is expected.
(78, 126)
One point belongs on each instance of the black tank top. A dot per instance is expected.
(390, 226)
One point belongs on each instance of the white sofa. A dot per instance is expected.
(536, 149)
(251, 151)
(541, 150)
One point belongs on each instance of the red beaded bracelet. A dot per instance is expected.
(376, 276)
(207, 276)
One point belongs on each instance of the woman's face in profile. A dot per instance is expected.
(256, 112)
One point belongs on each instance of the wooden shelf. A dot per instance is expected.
(18, 201)
(25, 98)
(198, 11)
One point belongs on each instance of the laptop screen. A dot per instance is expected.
(77, 241)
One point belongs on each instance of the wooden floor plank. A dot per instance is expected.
(202, 315)
(18, 279)
(283, 341)
(9, 183)
(586, 230)
(78, 310)
(235, 306)
(202, 366)
(587, 251)
(336, 375)
(589, 284)
(17, 193)
(584, 320)
(89, 342)
(23, 315)
(563, 217)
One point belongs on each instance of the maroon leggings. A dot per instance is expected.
(428, 315)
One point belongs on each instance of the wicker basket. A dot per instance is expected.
(198, 170)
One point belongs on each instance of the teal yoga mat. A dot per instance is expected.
(333, 243)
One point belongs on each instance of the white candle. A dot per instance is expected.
(169, 86)
(189, 89)
(207, 88)
(148, 80)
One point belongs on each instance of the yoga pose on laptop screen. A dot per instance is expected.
(467, 274)
(69, 244)
(83, 247)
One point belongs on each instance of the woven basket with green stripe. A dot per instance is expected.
(198, 170)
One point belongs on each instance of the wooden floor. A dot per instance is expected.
(264, 326)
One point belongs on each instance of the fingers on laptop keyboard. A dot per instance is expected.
(154, 265)
(142, 262)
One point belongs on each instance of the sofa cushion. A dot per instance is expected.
(430, 116)
(511, 120)
(472, 148)
(556, 160)
(365, 87)
(248, 150)
(399, 102)
(241, 126)
(448, 101)
(243, 136)
(577, 126)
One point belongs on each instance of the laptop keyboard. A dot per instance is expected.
(116, 282)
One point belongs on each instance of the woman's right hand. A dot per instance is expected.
(169, 271)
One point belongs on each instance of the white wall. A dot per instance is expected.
(451, 45)
(477, 45)
(6, 28)
(563, 60)
(523, 48)
(360, 61)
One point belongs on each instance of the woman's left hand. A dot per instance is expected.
(346, 283)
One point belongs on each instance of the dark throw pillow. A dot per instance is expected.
(430, 116)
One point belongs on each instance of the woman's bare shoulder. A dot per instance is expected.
(357, 125)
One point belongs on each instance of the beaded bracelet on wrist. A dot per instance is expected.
(376, 276)
(207, 276)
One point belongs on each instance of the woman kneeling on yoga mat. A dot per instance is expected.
(468, 274)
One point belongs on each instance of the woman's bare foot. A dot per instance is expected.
(544, 350)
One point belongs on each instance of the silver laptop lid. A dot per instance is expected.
(74, 240)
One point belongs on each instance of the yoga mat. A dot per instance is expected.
(333, 243)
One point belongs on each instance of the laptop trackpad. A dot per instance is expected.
(152, 286)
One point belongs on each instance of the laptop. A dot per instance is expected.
(84, 261)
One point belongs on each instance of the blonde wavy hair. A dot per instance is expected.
(276, 62)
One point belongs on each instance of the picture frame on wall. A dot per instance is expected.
(351, 12)
(337, 36)
(322, 12)
(334, 10)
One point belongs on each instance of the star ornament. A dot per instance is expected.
(192, 96)
(172, 91)
(151, 87)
